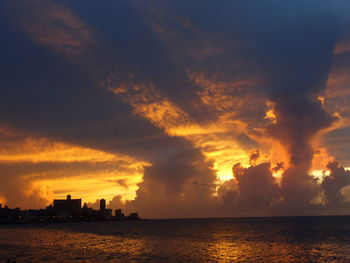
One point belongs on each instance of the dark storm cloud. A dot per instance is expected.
(51, 87)
(171, 189)
(51, 98)
(206, 43)
(54, 99)
(290, 45)
(139, 51)
(333, 184)
(174, 171)
(297, 58)
(258, 189)
(255, 189)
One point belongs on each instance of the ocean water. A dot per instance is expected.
(299, 239)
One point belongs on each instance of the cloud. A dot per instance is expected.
(333, 184)
(177, 187)
(116, 203)
(39, 169)
(258, 189)
(183, 90)
(54, 26)
(254, 155)
(117, 126)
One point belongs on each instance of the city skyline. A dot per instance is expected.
(63, 210)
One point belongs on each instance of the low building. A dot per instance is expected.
(133, 216)
(118, 214)
(67, 206)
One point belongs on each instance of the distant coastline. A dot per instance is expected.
(63, 210)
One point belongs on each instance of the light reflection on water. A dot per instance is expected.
(312, 239)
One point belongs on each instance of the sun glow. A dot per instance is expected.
(92, 186)
(52, 169)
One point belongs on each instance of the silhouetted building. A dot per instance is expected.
(102, 205)
(133, 216)
(107, 214)
(118, 214)
(69, 205)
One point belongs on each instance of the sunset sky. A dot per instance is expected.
(177, 108)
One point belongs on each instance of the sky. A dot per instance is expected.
(177, 108)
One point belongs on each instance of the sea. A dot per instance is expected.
(286, 239)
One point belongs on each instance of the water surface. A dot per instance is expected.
(299, 239)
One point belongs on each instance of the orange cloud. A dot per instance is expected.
(44, 169)
(338, 83)
(54, 26)
(43, 150)
(58, 28)
(149, 103)
(213, 138)
(223, 96)
(94, 185)
(342, 47)
(321, 159)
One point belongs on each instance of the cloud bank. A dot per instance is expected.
(185, 109)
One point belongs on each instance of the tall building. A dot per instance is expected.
(69, 205)
(102, 205)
